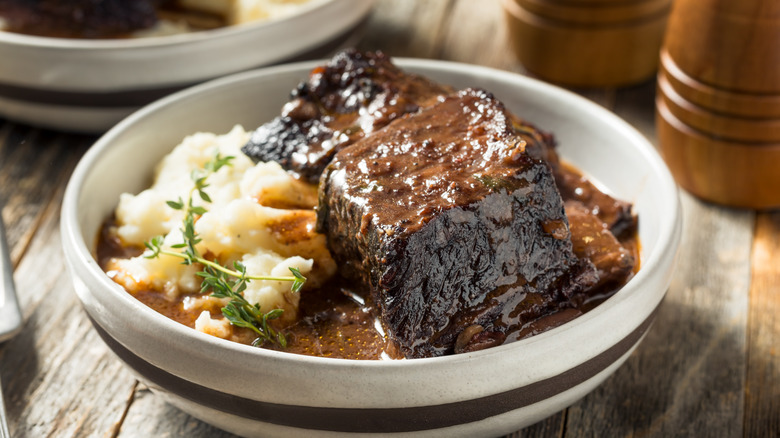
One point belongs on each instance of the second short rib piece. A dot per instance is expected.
(458, 231)
(593, 240)
(353, 95)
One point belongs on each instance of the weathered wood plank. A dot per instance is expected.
(688, 374)
(59, 378)
(550, 427)
(403, 28)
(150, 416)
(32, 162)
(762, 391)
(35, 196)
(52, 371)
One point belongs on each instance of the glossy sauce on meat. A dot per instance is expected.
(352, 96)
(458, 231)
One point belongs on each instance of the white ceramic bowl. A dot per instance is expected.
(89, 85)
(252, 392)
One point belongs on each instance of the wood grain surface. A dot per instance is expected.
(762, 390)
(708, 367)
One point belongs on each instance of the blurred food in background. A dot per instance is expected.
(138, 18)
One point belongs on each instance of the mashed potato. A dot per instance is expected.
(243, 11)
(229, 12)
(259, 215)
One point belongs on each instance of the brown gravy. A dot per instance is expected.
(335, 320)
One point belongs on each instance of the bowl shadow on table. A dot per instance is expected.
(94, 113)
(19, 365)
(675, 377)
(170, 421)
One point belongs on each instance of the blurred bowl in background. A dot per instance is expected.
(89, 85)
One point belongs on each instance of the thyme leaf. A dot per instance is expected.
(223, 282)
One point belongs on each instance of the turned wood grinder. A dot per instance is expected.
(718, 100)
(588, 43)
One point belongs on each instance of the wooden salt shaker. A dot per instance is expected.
(718, 102)
(588, 43)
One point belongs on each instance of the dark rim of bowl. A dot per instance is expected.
(378, 420)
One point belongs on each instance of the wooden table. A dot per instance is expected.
(709, 366)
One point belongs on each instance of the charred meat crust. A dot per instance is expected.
(453, 224)
(353, 95)
(350, 97)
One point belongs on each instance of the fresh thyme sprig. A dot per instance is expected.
(222, 281)
(239, 311)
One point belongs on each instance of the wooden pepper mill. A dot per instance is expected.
(588, 43)
(718, 102)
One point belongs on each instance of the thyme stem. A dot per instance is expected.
(223, 282)
(223, 269)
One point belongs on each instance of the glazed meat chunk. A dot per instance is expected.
(593, 240)
(352, 96)
(458, 232)
(616, 214)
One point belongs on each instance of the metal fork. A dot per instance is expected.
(10, 315)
